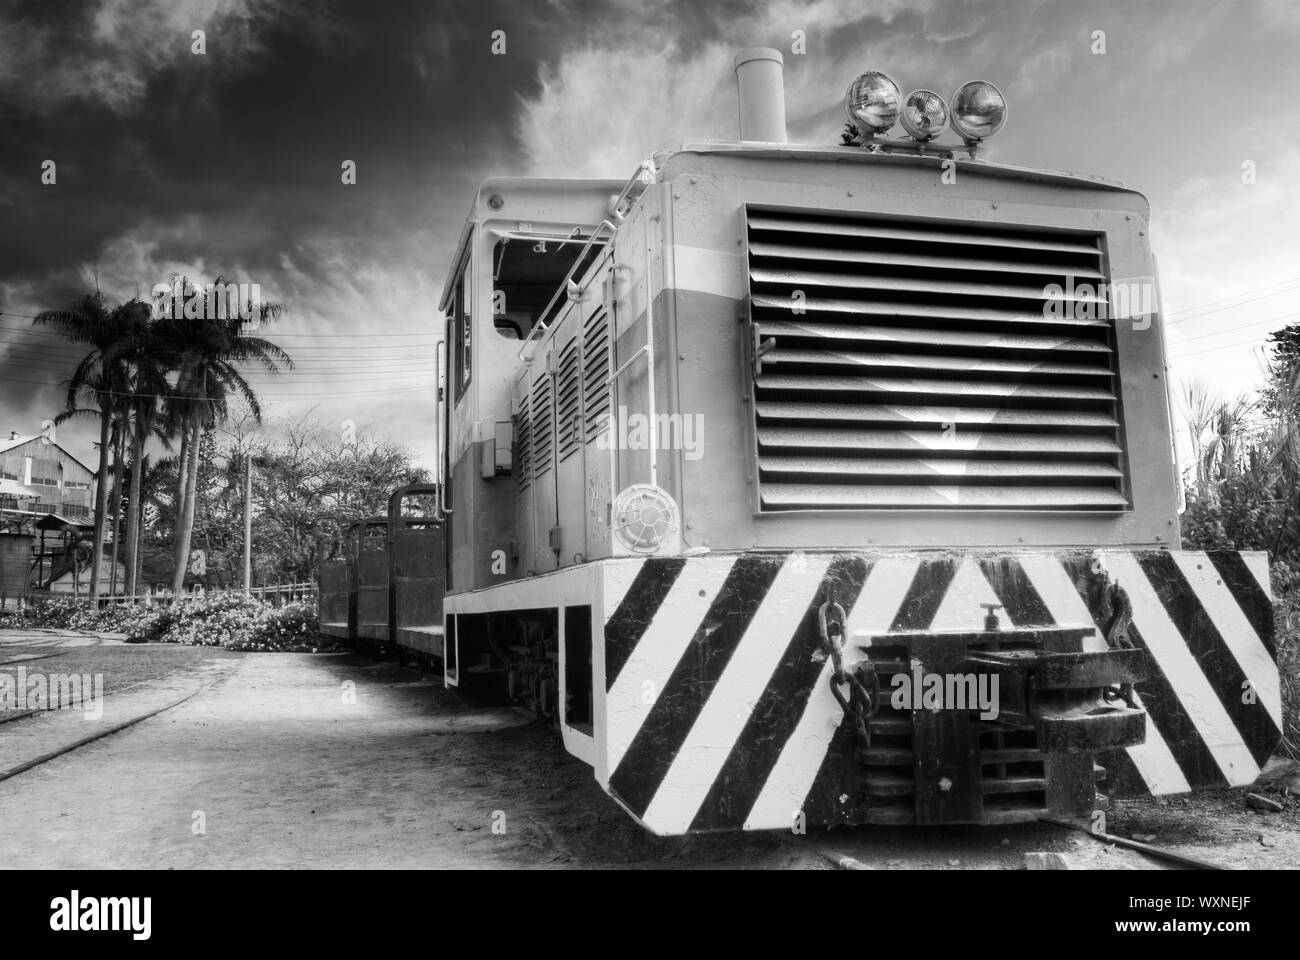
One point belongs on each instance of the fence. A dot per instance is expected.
(277, 595)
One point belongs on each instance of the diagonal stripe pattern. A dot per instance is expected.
(720, 715)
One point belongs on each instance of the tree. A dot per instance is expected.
(148, 357)
(210, 349)
(100, 377)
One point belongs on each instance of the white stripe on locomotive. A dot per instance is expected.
(1153, 759)
(795, 770)
(1169, 650)
(1226, 614)
(637, 687)
(747, 674)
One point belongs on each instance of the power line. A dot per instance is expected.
(1267, 286)
(359, 366)
(1244, 326)
(263, 396)
(325, 336)
(1233, 306)
(24, 334)
(1224, 346)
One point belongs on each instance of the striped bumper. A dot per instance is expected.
(719, 712)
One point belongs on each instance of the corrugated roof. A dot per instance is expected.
(12, 488)
(15, 442)
(19, 441)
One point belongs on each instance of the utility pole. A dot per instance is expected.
(248, 521)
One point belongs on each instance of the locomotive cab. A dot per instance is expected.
(835, 484)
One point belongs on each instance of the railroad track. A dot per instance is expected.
(845, 862)
(97, 735)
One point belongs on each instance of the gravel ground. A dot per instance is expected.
(328, 761)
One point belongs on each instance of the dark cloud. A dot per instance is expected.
(230, 162)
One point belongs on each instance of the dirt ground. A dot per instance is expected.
(329, 761)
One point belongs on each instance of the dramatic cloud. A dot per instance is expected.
(229, 163)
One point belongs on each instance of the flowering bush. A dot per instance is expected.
(51, 614)
(228, 620)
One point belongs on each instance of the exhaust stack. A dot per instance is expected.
(760, 89)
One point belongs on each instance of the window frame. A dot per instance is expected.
(463, 327)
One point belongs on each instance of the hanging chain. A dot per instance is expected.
(860, 704)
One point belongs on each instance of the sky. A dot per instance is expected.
(229, 161)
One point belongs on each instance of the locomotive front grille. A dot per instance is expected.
(906, 363)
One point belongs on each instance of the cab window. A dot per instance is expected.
(526, 273)
(462, 327)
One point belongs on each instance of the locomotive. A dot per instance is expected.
(834, 484)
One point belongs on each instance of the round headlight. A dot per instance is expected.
(644, 517)
(978, 110)
(924, 115)
(872, 103)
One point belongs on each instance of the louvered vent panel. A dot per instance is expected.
(595, 369)
(567, 400)
(543, 432)
(523, 445)
(913, 364)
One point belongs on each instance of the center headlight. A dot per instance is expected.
(924, 115)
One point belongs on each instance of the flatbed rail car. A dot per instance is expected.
(836, 484)
(386, 592)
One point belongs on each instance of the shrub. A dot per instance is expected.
(229, 620)
(1287, 622)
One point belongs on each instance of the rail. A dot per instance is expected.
(277, 595)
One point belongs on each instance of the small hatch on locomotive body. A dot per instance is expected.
(836, 484)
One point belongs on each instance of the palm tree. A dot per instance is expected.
(210, 352)
(148, 356)
(100, 378)
(1199, 407)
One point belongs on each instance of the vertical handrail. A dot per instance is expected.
(648, 351)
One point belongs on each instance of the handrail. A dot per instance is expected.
(395, 504)
(540, 326)
(645, 175)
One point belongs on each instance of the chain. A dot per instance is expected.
(860, 705)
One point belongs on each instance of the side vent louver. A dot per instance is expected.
(567, 401)
(543, 433)
(914, 364)
(595, 369)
